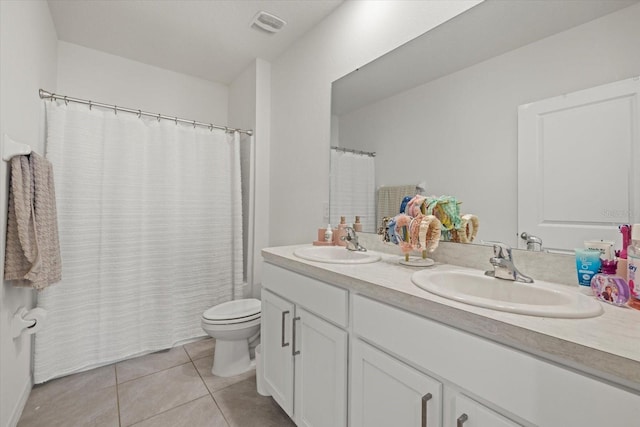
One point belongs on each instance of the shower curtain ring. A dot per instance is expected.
(90, 105)
(158, 117)
(115, 110)
(210, 127)
(176, 120)
(139, 113)
(66, 102)
(194, 124)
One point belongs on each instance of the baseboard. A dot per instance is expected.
(17, 410)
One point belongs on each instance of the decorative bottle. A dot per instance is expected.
(609, 287)
(340, 232)
(328, 234)
(357, 226)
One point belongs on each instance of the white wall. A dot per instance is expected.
(28, 49)
(354, 34)
(242, 113)
(249, 108)
(459, 133)
(98, 76)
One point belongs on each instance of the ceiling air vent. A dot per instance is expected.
(267, 22)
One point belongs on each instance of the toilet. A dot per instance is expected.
(232, 324)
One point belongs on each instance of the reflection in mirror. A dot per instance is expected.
(352, 189)
(443, 109)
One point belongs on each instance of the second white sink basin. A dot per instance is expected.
(534, 299)
(335, 255)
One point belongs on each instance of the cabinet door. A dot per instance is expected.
(469, 413)
(386, 392)
(277, 357)
(320, 372)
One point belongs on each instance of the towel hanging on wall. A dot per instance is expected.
(32, 248)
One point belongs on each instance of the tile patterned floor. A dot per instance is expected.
(171, 388)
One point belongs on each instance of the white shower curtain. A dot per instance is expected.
(352, 190)
(150, 222)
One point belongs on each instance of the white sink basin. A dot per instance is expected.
(534, 299)
(335, 255)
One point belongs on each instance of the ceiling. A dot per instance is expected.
(487, 30)
(211, 39)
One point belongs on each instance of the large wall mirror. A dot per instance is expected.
(442, 110)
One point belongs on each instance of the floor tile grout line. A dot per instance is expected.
(170, 409)
(152, 373)
(215, 402)
(115, 371)
(182, 404)
(201, 357)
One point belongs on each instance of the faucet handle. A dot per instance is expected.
(351, 234)
(534, 243)
(501, 250)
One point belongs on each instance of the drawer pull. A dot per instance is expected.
(461, 419)
(293, 347)
(427, 397)
(283, 344)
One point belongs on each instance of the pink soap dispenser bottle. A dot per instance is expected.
(623, 265)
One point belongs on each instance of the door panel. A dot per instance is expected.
(277, 314)
(386, 392)
(320, 372)
(578, 165)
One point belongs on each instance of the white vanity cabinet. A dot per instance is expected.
(469, 413)
(408, 370)
(516, 388)
(386, 392)
(304, 347)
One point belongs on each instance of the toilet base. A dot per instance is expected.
(231, 358)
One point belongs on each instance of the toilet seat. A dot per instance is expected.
(246, 319)
(238, 311)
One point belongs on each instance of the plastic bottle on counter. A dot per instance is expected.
(633, 264)
(341, 231)
(609, 287)
(357, 226)
(328, 234)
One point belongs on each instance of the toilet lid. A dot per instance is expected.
(237, 309)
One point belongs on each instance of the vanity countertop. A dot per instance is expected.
(607, 346)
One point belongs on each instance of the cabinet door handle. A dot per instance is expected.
(283, 344)
(427, 397)
(461, 419)
(293, 347)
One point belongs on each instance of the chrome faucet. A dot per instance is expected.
(352, 240)
(503, 267)
(534, 243)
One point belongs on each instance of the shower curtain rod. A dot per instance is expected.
(51, 96)
(351, 150)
